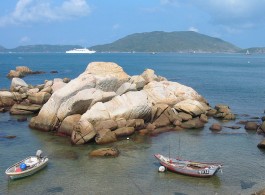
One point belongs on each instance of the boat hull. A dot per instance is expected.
(11, 171)
(194, 169)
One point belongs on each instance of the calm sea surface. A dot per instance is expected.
(236, 80)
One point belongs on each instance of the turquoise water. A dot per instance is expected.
(236, 80)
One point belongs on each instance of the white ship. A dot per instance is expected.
(82, 50)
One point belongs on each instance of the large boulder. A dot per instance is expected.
(105, 136)
(124, 131)
(22, 109)
(39, 98)
(261, 144)
(139, 81)
(170, 93)
(80, 102)
(223, 112)
(83, 132)
(20, 71)
(68, 124)
(16, 84)
(125, 106)
(250, 125)
(105, 76)
(192, 107)
(6, 99)
(109, 76)
(125, 87)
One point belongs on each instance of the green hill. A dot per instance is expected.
(44, 48)
(253, 50)
(158, 41)
(2, 49)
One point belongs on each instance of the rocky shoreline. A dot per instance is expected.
(104, 104)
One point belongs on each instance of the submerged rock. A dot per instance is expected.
(105, 152)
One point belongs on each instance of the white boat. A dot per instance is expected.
(82, 50)
(190, 168)
(27, 166)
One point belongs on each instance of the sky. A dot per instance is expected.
(93, 22)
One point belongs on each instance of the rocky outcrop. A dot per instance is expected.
(104, 104)
(105, 152)
(216, 127)
(223, 112)
(261, 145)
(251, 126)
(22, 71)
(25, 109)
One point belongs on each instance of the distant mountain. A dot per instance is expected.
(44, 48)
(253, 50)
(2, 49)
(158, 41)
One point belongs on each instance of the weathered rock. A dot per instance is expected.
(39, 98)
(105, 136)
(261, 144)
(195, 123)
(211, 112)
(6, 99)
(105, 152)
(192, 107)
(262, 126)
(261, 192)
(162, 121)
(139, 81)
(121, 122)
(204, 118)
(66, 80)
(125, 87)
(83, 132)
(149, 75)
(80, 102)
(109, 75)
(170, 93)
(20, 71)
(125, 106)
(216, 127)
(124, 131)
(136, 123)
(57, 84)
(184, 116)
(107, 124)
(33, 90)
(21, 109)
(68, 124)
(47, 89)
(223, 112)
(14, 73)
(251, 126)
(16, 84)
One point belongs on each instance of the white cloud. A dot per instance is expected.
(24, 39)
(43, 10)
(115, 26)
(239, 14)
(193, 29)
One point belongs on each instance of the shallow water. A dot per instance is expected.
(232, 79)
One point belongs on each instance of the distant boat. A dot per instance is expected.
(247, 52)
(190, 168)
(82, 50)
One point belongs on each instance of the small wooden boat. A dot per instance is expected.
(185, 167)
(28, 166)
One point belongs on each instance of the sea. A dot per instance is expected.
(236, 80)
